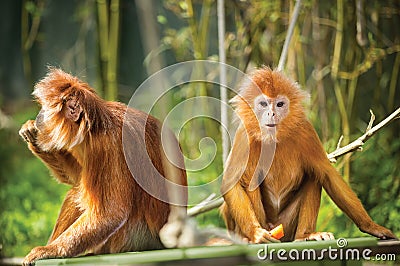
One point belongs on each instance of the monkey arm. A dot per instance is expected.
(62, 164)
(241, 210)
(339, 191)
(237, 200)
(348, 202)
(243, 207)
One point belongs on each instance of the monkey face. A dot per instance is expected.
(39, 121)
(270, 112)
(61, 127)
(60, 121)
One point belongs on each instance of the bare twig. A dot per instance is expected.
(205, 206)
(339, 143)
(358, 143)
(371, 120)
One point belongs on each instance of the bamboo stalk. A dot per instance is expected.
(393, 81)
(222, 89)
(353, 86)
(102, 12)
(193, 30)
(112, 66)
(204, 25)
(26, 60)
(334, 73)
(338, 39)
(103, 30)
(289, 34)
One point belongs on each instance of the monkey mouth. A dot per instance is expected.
(270, 125)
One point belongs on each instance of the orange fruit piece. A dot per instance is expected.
(277, 232)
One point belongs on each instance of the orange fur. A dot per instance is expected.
(291, 188)
(78, 136)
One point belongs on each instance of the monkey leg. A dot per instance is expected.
(308, 213)
(68, 214)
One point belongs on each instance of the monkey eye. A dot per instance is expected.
(263, 103)
(280, 104)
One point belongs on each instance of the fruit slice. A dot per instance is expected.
(277, 232)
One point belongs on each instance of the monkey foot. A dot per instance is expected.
(317, 236)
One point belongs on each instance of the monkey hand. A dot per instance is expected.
(29, 132)
(378, 231)
(38, 253)
(261, 235)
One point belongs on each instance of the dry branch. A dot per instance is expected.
(209, 204)
(206, 205)
(370, 131)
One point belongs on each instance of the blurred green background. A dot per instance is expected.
(345, 53)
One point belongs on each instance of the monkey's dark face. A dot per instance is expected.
(271, 112)
(60, 125)
(39, 121)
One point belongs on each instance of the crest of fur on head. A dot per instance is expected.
(271, 84)
(71, 109)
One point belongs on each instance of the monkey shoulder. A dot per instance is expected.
(312, 154)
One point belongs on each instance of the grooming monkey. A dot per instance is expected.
(78, 136)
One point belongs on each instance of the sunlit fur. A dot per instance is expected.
(51, 93)
(290, 191)
(106, 210)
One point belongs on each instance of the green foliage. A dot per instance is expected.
(345, 80)
(30, 200)
(338, 72)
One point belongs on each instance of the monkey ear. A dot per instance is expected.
(73, 110)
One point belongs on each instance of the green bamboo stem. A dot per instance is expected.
(353, 85)
(337, 87)
(102, 16)
(345, 123)
(102, 12)
(338, 39)
(193, 30)
(112, 66)
(393, 82)
(204, 27)
(28, 35)
(26, 60)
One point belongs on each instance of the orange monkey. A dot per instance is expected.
(285, 153)
(78, 136)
